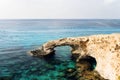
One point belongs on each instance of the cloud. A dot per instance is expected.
(107, 2)
(63, 9)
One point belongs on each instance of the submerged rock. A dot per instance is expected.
(70, 74)
(104, 48)
(49, 67)
(6, 78)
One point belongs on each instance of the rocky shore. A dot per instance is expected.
(100, 55)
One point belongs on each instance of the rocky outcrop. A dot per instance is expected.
(104, 48)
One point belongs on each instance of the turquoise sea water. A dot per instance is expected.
(19, 36)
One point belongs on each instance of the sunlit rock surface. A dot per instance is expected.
(104, 48)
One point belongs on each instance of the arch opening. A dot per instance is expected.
(88, 62)
(63, 52)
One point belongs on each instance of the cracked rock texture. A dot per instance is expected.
(104, 48)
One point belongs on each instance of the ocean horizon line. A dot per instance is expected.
(57, 19)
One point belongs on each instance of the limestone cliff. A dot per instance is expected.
(104, 48)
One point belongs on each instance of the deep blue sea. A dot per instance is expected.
(19, 36)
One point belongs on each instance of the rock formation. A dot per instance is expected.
(104, 48)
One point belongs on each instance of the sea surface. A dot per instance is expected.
(17, 37)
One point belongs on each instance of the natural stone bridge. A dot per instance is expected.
(104, 48)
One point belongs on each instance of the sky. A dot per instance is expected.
(59, 9)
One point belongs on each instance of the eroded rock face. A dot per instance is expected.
(104, 48)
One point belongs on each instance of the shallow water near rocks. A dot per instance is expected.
(25, 67)
(19, 36)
